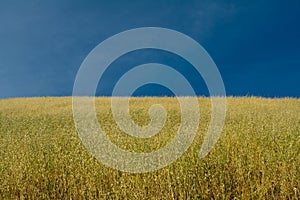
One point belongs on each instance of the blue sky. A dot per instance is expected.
(255, 44)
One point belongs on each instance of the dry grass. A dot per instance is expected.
(257, 156)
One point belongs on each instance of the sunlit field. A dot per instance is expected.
(256, 157)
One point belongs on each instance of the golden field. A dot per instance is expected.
(256, 157)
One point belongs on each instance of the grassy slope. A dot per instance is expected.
(257, 156)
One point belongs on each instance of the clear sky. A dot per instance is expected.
(255, 44)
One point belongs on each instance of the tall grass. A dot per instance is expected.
(256, 157)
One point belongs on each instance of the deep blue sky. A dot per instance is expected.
(255, 44)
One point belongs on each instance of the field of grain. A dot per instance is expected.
(256, 157)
